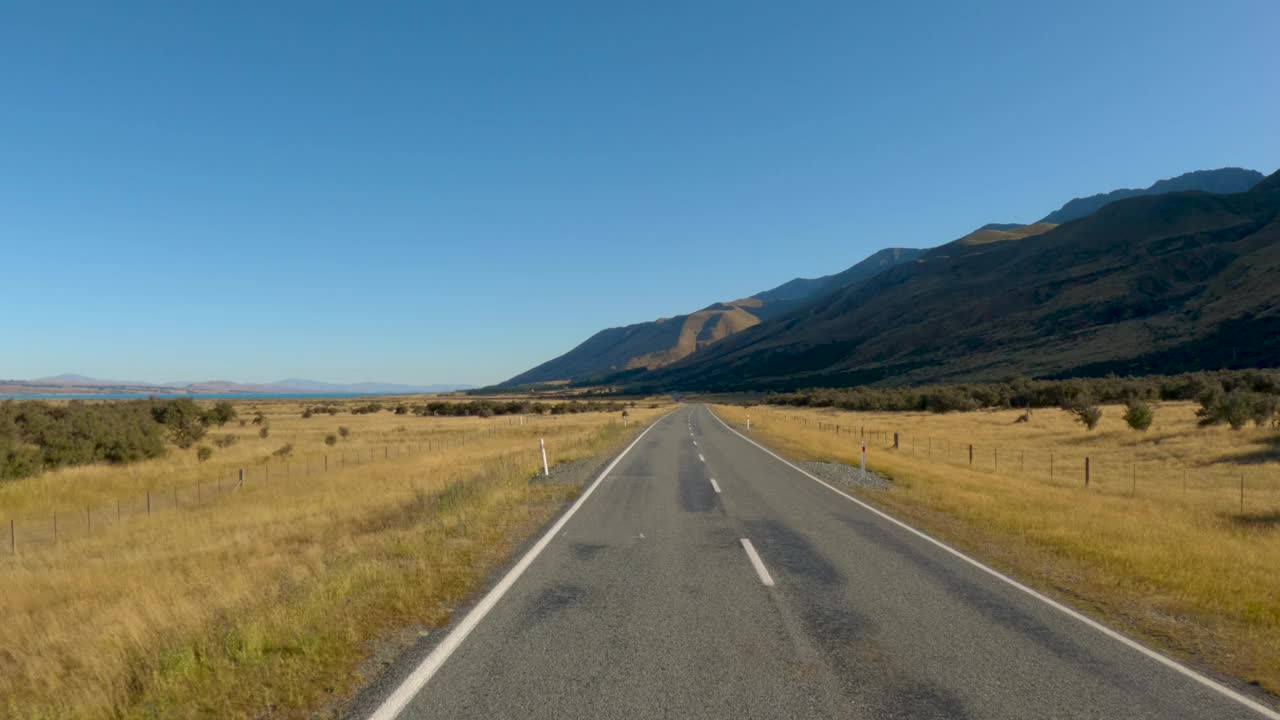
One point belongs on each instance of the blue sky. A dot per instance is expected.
(441, 192)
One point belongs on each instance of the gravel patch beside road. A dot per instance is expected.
(838, 474)
(575, 472)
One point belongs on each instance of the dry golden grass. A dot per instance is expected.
(264, 602)
(1170, 558)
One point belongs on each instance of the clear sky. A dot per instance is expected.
(454, 192)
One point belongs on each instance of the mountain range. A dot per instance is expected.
(654, 344)
(1223, 181)
(1174, 277)
(73, 384)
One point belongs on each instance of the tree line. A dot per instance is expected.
(1235, 398)
(36, 436)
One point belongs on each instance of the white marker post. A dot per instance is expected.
(864, 460)
(748, 422)
(543, 447)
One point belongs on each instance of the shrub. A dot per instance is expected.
(330, 439)
(183, 418)
(344, 431)
(1138, 414)
(402, 409)
(204, 452)
(306, 413)
(220, 414)
(284, 451)
(36, 436)
(1236, 408)
(227, 440)
(259, 418)
(264, 432)
(1086, 414)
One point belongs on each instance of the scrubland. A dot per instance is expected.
(268, 599)
(1159, 544)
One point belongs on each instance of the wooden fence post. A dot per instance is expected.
(970, 455)
(1086, 471)
(149, 500)
(13, 538)
(55, 526)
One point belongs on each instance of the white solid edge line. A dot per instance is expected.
(757, 563)
(715, 486)
(1133, 644)
(412, 685)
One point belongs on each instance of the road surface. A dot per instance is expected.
(704, 577)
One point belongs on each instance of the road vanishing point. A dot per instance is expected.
(718, 580)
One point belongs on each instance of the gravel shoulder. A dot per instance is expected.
(849, 475)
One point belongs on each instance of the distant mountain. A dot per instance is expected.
(73, 384)
(1223, 181)
(74, 379)
(658, 343)
(1163, 283)
(299, 385)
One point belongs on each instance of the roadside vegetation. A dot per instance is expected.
(1175, 539)
(36, 436)
(269, 599)
(1234, 397)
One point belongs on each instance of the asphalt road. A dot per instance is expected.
(647, 604)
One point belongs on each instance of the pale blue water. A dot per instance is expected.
(194, 396)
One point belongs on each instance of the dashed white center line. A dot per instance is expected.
(757, 563)
(695, 443)
(715, 486)
(701, 458)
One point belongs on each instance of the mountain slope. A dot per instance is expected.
(1222, 181)
(1001, 233)
(1162, 283)
(658, 343)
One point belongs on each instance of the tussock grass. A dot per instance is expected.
(265, 602)
(1174, 561)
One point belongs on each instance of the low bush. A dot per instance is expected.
(203, 453)
(1138, 414)
(37, 436)
(220, 414)
(1086, 414)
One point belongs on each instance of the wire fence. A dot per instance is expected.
(1249, 490)
(69, 524)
